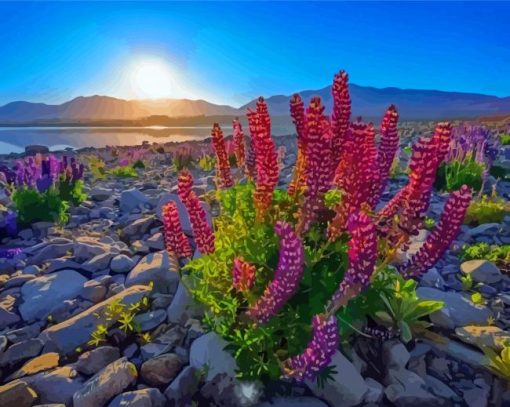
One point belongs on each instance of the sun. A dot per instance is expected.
(152, 79)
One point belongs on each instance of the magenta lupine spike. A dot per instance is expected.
(251, 164)
(319, 351)
(184, 185)
(388, 148)
(362, 255)
(222, 164)
(243, 275)
(175, 239)
(441, 237)
(341, 114)
(286, 277)
(239, 143)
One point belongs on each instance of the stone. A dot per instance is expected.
(122, 264)
(156, 241)
(38, 364)
(86, 247)
(93, 361)
(109, 382)
(458, 310)
(491, 336)
(293, 401)
(163, 342)
(466, 354)
(150, 320)
(56, 386)
(160, 268)
(20, 352)
(17, 394)
(375, 391)
(440, 389)
(52, 251)
(138, 228)
(225, 390)
(44, 293)
(8, 316)
(139, 398)
(406, 388)
(485, 229)
(183, 387)
(99, 262)
(100, 194)
(182, 307)
(66, 336)
(24, 333)
(93, 291)
(432, 278)
(395, 354)
(482, 271)
(209, 350)
(161, 370)
(347, 387)
(132, 199)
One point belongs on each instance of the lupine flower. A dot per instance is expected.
(319, 351)
(341, 115)
(239, 143)
(362, 255)
(175, 239)
(440, 238)
(202, 232)
(223, 164)
(243, 275)
(265, 158)
(251, 164)
(286, 277)
(10, 253)
(297, 112)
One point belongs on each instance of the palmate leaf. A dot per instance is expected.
(423, 308)
(405, 331)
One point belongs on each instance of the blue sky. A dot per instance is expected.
(231, 52)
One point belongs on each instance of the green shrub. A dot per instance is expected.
(487, 210)
(451, 176)
(72, 191)
(33, 206)
(123, 172)
(504, 139)
(206, 163)
(483, 251)
(138, 164)
(500, 172)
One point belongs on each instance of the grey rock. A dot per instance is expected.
(482, 271)
(432, 278)
(139, 398)
(183, 387)
(100, 194)
(347, 387)
(132, 199)
(122, 264)
(375, 391)
(160, 268)
(458, 310)
(20, 352)
(161, 370)
(407, 388)
(225, 390)
(293, 401)
(209, 350)
(93, 291)
(86, 247)
(486, 228)
(44, 293)
(99, 262)
(109, 382)
(395, 354)
(93, 361)
(52, 251)
(150, 320)
(156, 241)
(183, 307)
(164, 342)
(24, 333)
(138, 228)
(8, 316)
(17, 394)
(440, 389)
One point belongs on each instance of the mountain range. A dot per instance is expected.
(368, 102)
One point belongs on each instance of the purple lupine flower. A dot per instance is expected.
(10, 253)
(440, 238)
(44, 183)
(319, 351)
(362, 257)
(286, 277)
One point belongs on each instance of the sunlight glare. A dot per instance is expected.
(152, 79)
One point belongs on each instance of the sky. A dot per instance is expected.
(231, 52)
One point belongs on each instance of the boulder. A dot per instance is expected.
(42, 294)
(39, 364)
(182, 307)
(292, 402)
(139, 398)
(183, 387)
(482, 271)
(100, 194)
(160, 268)
(161, 370)
(406, 388)
(150, 320)
(122, 264)
(17, 394)
(132, 199)
(491, 336)
(209, 350)
(93, 361)
(20, 352)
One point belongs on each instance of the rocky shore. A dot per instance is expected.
(112, 252)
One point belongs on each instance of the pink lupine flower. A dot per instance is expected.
(440, 238)
(239, 143)
(175, 239)
(184, 185)
(286, 277)
(223, 164)
(341, 115)
(318, 353)
(362, 255)
(243, 275)
(297, 112)
(251, 165)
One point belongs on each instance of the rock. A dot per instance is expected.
(457, 310)
(482, 271)
(56, 386)
(122, 264)
(17, 394)
(485, 229)
(132, 199)
(440, 389)
(375, 391)
(466, 354)
(135, 230)
(161, 370)
(22, 334)
(39, 364)
(97, 263)
(52, 251)
(93, 291)
(225, 390)
(183, 387)
(395, 354)
(33, 149)
(75, 332)
(293, 401)
(8, 316)
(150, 320)
(182, 307)
(156, 241)
(347, 387)
(164, 342)
(109, 382)
(93, 361)
(44, 293)
(139, 398)
(33, 269)
(86, 247)
(99, 194)
(432, 278)
(209, 350)
(408, 389)
(491, 336)
(20, 352)
(160, 268)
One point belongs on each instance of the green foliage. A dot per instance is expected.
(500, 172)
(504, 139)
(72, 191)
(482, 251)
(477, 299)
(487, 210)
(429, 223)
(332, 198)
(206, 163)
(451, 176)
(123, 172)
(138, 164)
(467, 282)
(33, 206)
(97, 167)
(403, 309)
(182, 159)
(498, 364)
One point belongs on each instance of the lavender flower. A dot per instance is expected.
(286, 278)
(9, 253)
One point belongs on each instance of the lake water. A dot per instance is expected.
(14, 139)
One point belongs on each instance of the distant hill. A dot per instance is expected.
(367, 101)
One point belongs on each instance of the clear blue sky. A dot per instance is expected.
(232, 52)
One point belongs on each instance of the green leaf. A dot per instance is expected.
(405, 331)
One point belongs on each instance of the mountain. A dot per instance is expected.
(105, 107)
(412, 104)
(367, 102)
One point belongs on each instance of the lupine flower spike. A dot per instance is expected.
(243, 275)
(175, 239)
(223, 164)
(239, 143)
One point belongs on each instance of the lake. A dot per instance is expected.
(14, 139)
